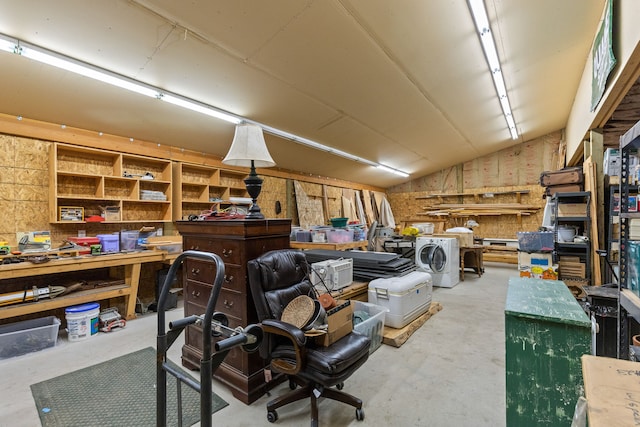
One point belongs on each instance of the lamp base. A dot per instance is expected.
(254, 215)
(254, 185)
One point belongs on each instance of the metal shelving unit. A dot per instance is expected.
(582, 222)
(629, 301)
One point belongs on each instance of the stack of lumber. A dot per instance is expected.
(479, 209)
(498, 253)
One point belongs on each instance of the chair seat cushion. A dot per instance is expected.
(333, 364)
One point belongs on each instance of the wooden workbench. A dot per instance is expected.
(362, 244)
(131, 261)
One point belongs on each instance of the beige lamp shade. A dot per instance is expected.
(248, 145)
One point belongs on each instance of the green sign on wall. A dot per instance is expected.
(602, 57)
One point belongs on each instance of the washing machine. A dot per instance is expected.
(439, 256)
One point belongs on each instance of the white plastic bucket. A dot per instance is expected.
(82, 321)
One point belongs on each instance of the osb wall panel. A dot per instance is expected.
(503, 226)
(273, 190)
(309, 202)
(334, 202)
(24, 186)
(518, 167)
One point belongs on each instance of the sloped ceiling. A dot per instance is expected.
(403, 83)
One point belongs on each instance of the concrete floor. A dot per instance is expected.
(449, 373)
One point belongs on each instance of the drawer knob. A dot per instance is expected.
(195, 294)
(195, 271)
(227, 252)
(194, 248)
(228, 304)
(228, 279)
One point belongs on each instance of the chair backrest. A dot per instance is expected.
(276, 278)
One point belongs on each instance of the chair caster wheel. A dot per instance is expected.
(292, 384)
(359, 414)
(272, 416)
(340, 386)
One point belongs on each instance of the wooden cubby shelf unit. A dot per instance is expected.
(141, 187)
(200, 187)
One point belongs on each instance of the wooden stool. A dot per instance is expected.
(471, 257)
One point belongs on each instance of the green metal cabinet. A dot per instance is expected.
(546, 333)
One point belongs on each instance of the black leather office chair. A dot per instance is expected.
(275, 279)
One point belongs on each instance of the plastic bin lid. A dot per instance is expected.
(107, 236)
(84, 307)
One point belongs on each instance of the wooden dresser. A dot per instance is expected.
(237, 242)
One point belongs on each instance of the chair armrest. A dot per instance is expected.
(288, 330)
(298, 340)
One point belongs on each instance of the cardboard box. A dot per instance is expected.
(611, 164)
(572, 209)
(111, 213)
(340, 323)
(537, 265)
(464, 239)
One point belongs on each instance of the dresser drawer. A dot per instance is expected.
(229, 302)
(229, 250)
(232, 304)
(235, 278)
(197, 293)
(200, 270)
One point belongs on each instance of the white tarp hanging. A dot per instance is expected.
(386, 215)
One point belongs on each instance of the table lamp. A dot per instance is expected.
(249, 149)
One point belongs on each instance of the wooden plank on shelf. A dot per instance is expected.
(474, 194)
(75, 298)
(490, 206)
(499, 248)
(397, 337)
(503, 258)
(497, 253)
(589, 169)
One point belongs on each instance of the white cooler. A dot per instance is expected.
(406, 297)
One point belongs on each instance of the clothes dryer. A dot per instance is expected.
(439, 256)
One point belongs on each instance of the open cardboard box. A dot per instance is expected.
(339, 321)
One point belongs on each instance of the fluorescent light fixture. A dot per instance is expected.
(392, 170)
(86, 70)
(8, 45)
(200, 108)
(491, 54)
(318, 146)
(36, 53)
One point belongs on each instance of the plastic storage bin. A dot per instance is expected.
(109, 242)
(28, 336)
(129, 240)
(535, 241)
(339, 236)
(368, 319)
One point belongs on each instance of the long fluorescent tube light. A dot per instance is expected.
(7, 45)
(392, 170)
(85, 70)
(36, 53)
(483, 27)
(200, 108)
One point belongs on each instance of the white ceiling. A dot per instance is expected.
(400, 82)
